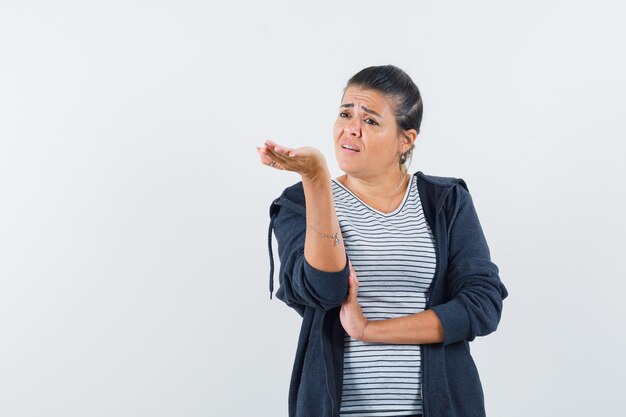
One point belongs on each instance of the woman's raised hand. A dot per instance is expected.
(307, 161)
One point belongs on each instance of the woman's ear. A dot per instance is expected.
(409, 137)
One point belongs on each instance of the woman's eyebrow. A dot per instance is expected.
(364, 108)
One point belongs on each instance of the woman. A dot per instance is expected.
(390, 272)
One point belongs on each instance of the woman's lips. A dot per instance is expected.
(345, 150)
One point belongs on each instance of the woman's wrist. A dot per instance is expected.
(362, 337)
(319, 175)
(318, 170)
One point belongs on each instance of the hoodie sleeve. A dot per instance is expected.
(473, 280)
(300, 283)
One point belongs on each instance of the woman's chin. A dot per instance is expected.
(346, 162)
(348, 168)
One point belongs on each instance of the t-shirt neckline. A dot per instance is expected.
(391, 213)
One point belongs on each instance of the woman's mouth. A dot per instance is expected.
(349, 149)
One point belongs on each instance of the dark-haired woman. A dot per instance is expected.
(390, 272)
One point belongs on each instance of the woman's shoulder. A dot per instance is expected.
(445, 181)
(435, 190)
(291, 197)
(294, 193)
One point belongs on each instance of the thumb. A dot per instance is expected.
(351, 286)
(355, 285)
(353, 273)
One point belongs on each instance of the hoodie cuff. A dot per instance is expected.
(454, 320)
(329, 286)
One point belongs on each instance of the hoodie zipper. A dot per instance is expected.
(332, 400)
(422, 382)
(422, 355)
(426, 307)
(330, 395)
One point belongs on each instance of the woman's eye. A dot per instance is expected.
(343, 114)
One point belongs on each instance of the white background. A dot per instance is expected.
(134, 208)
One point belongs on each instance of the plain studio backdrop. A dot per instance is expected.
(134, 209)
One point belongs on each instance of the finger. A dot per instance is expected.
(353, 272)
(281, 150)
(271, 155)
(263, 155)
(277, 156)
(271, 145)
(351, 284)
(268, 159)
(284, 151)
(354, 288)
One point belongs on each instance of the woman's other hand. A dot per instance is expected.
(351, 316)
(307, 161)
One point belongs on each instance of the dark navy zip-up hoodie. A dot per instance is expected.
(466, 293)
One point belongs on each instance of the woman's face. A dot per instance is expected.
(365, 121)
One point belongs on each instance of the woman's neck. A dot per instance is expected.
(376, 188)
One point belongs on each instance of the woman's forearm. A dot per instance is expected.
(319, 251)
(419, 328)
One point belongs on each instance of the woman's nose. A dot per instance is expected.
(353, 127)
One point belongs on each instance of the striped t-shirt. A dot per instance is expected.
(393, 255)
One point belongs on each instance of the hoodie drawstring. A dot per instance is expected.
(269, 245)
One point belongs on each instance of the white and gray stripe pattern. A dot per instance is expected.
(394, 257)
